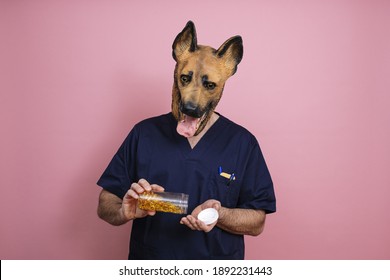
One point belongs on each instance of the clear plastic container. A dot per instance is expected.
(176, 203)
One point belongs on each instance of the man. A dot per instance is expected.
(196, 151)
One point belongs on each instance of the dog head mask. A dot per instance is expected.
(199, 78)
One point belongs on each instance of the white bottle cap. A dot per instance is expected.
(208, 216)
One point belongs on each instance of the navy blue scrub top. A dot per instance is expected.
(153, 150)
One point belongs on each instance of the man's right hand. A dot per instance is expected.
(117, 211)
(129, 207)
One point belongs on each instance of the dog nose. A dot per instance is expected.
(191, 110)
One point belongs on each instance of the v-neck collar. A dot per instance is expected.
(203, 143)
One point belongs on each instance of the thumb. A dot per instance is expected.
(216, 205)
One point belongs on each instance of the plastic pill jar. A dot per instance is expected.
(176, 203)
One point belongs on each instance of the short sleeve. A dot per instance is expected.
(257, 190)
(119, 174)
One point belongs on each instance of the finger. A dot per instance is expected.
(212, 203)
(140, 213)
(137, 188)
(217, 206)
(151, 213)
(186, 222)
(157, 188)
(193, 221)
(131, 194)
(204, 227)
(144, 184)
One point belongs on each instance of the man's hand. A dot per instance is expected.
(117, 211)
(192, 221)
(129, 208)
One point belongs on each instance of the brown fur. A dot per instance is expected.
(205, 65)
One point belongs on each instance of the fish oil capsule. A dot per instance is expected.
(176, 203)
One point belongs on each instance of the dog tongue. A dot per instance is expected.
(188, 126)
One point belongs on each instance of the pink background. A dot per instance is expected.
(313, 86)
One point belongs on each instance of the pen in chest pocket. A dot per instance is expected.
(230, 177)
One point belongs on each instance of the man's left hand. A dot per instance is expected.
(192, 220)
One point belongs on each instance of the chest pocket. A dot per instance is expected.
(227, 192)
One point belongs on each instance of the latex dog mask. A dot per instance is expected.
(199, 78)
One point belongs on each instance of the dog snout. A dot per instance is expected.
(191, 109)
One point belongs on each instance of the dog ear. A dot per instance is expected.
(231, 51)
(185, 41)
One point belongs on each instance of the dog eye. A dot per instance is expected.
(185, 79)
(209, 85)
